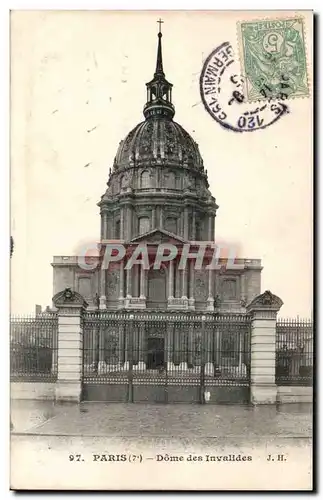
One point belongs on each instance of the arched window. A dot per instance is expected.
(171, 225)
(145, 179)
(122, 181)
(144, 225)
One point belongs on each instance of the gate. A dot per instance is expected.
(163, 357)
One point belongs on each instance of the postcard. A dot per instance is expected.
(161, 250)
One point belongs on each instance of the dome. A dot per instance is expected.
(158, 179)
(158, 140)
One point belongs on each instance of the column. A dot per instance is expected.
(129, 221)
(182, 224)
(192, 278)
(105, 225)
(153, 218)
(103, 299)
(186, 223)
(263, 311)
(171, 280)
(184, 282)
(136, 281)
(210, 299)
(160, 217)
(178, 292)
(129, 283)
(102, 227)
(121, 280)
(192, 284)
(210, 220)
(71, 307)
(142, 282)
(210, 292)
(121, 223)
(193, 235)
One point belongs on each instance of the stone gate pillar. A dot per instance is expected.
(263, 310)
(71, 306)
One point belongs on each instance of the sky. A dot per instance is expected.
(78, 87)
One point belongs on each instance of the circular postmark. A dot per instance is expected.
(221, 88)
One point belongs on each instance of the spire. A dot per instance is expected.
(159, 90)
(159, 64)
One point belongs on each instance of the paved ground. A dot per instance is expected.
(46, 439)
(143, 420)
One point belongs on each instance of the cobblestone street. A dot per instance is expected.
(47, 437)
(141, 420)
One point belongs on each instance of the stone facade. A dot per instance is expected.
(229, 291)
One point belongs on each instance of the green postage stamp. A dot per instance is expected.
(273, 59)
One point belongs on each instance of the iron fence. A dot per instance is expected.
(294, 352)
(33, 347)
(163, 349)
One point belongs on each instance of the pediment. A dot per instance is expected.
(69, 297)
(157, 236)
(266, 300)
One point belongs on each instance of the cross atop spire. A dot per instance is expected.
(160, 22)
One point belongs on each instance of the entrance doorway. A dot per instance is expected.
(156, 353)
(156, 297)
